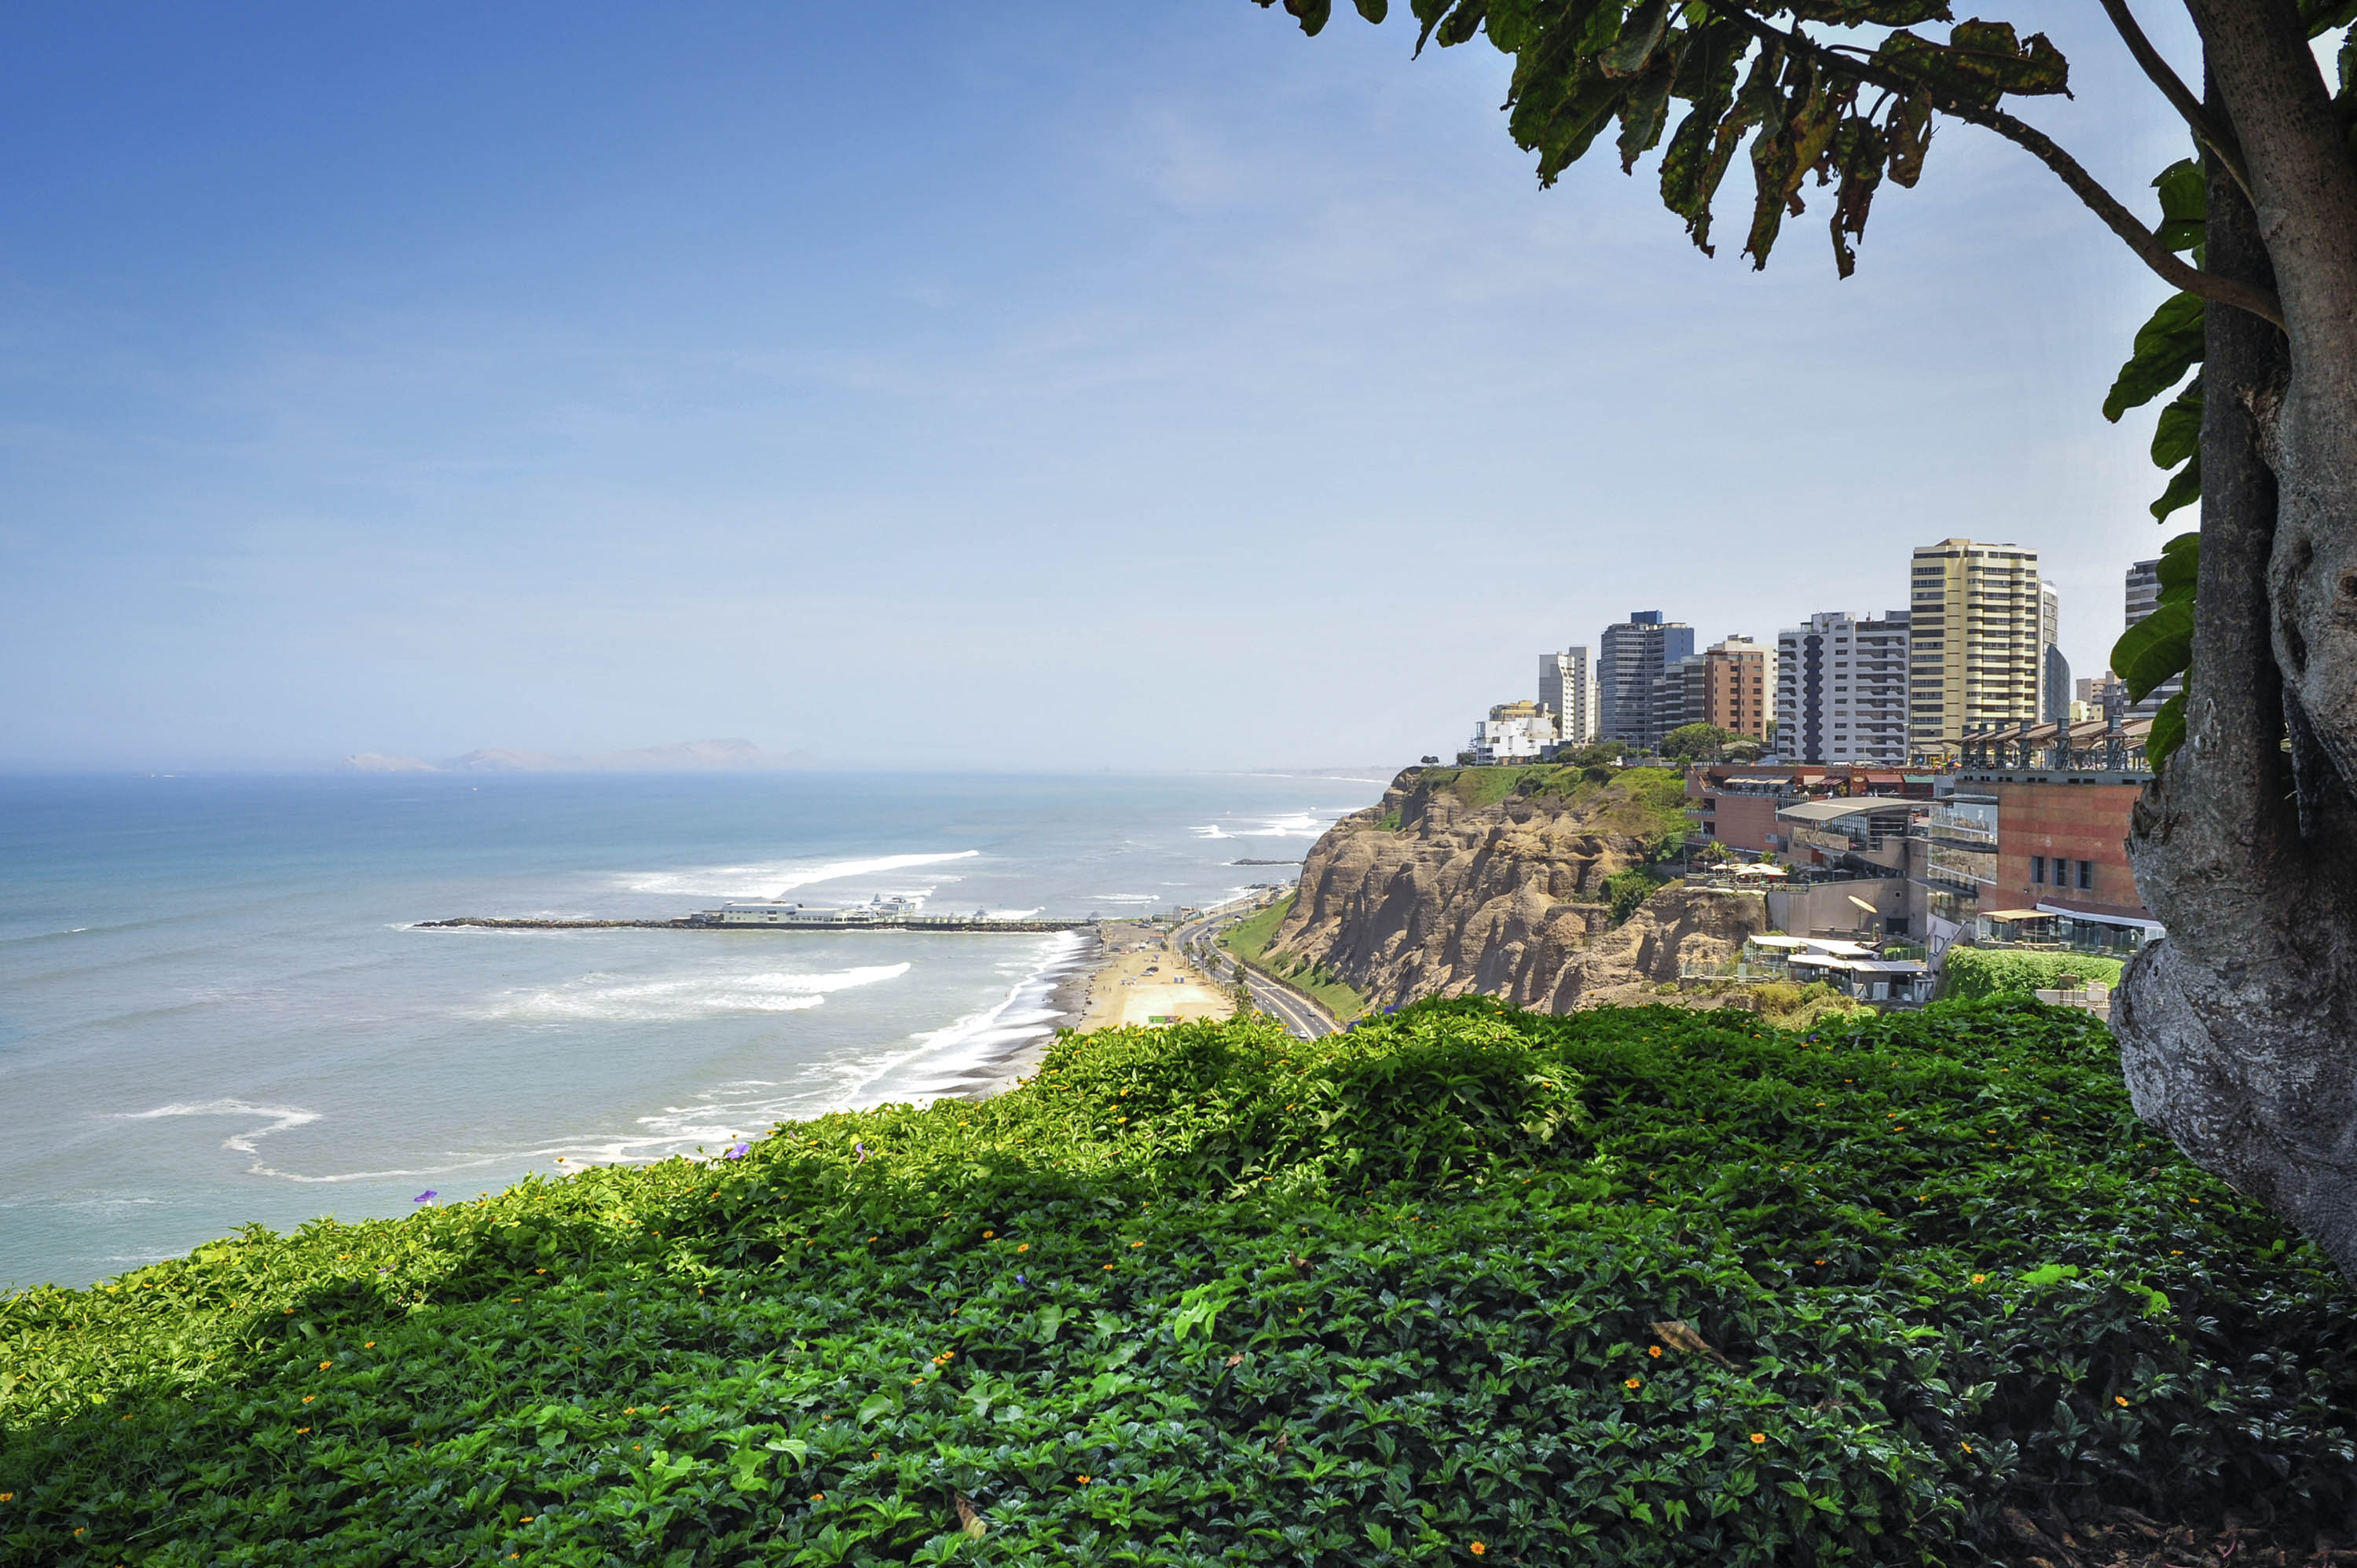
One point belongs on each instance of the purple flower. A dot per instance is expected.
(1019, 1280)
(736, 1152)
(428, 1196)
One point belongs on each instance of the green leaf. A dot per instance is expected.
(2181, 567)
(2167, 346)
(1645, 110)
(1633, 48)
(2153, 650)
(2167, 731)
(2183, 490)
(2178, 435)
(1311, 13)
(2051, 1274)
(1980, 63)
(2321, 17)
(1374, 10)
(2184, 204)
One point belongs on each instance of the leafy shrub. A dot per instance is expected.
(1624, 891)
(1974, 972)
(1211, 1294)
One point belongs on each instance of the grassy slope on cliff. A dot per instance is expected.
(1211, 1294)
(1249, 940)
(1645, 803)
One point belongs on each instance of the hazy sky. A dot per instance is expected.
(1054, 384)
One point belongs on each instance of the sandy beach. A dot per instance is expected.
(1131, 978)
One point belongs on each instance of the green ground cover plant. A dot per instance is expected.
(1648, 1286)
(1973, 972)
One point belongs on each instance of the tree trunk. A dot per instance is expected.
(2239, 1031)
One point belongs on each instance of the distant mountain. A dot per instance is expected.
(381, 762)
(686, 756)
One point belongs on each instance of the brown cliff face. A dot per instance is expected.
(1435, 892)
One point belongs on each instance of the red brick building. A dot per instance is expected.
(2065, 846)
(1738, 687)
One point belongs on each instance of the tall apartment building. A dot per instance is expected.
(2144, 597)
(1980, 617)
(2055, 707)
(1629, 656)
(1676, 699)
(1841, 688)
(2053, 670)
(1566, 692)
(1739, 686)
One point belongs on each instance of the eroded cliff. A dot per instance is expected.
(1492, 880)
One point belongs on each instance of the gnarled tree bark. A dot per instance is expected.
(2239, 1031)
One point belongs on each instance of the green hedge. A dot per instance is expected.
(1974, 972)
(1211, 1294)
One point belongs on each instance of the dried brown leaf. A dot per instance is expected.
(1679, 1335)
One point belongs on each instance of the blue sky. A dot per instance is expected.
(1054, 385)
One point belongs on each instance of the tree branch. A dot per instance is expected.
(2119, 219)
(2037, 144)
(2216, 138)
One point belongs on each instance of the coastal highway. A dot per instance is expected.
(1198, 939)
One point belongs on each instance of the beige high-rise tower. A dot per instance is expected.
(1978, 643)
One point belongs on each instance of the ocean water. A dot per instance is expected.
(217, 1007)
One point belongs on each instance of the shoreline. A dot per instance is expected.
(1067, 1008)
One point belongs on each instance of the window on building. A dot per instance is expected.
(2087, 875)
(2038, 869)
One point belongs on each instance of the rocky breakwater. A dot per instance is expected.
(1494, 881)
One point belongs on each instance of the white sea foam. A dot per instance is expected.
(281, 1118)
(607, 998)
(1127, 898)
(772, 878)
(1300, 824)
(1297, 824)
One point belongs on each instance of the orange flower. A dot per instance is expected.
(325, 1365)
(527, 1519)
(1758, 1438)
(1083, 1480)
(818, 1497)
(1478, 1549)
(369, 1345)
(1631, 1383)
(309, 1398)
(7, 1497)
(2119, 1402)
(1980, 1278)
(1137, 1244)
(301, 1430)
(1108, 1266)
(1654, 1351)
(1024, 1248)
(988, 1234)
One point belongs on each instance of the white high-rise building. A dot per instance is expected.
(1841, 688)
(1980, 617)
(1567, 691)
